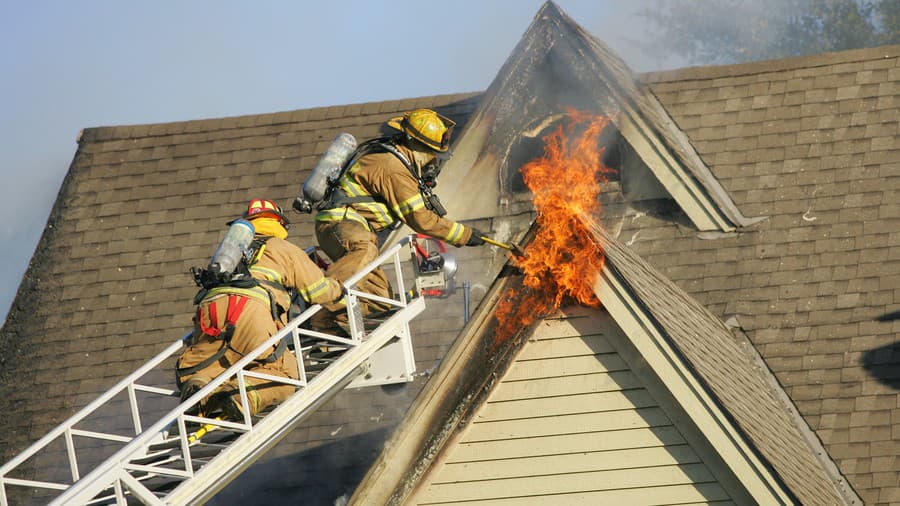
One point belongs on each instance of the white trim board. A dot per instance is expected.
(704, 412)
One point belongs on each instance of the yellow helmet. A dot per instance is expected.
(427, 127)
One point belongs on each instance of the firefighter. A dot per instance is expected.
(234, 318)
(390, 184)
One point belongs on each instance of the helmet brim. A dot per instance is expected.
(284, 219)
(395, 123)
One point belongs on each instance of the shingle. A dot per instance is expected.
(658, 299)
(132, 278)
(846, 197)
(210, 157)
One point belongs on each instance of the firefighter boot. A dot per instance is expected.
(226, 403)
(189, 388)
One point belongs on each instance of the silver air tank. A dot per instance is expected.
(236, 241)
(326, 171)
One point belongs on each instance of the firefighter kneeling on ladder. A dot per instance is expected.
(245, 302)
(387, 182)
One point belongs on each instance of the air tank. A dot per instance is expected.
(229, 252)
(326, 170)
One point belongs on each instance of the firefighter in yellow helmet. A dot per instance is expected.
(235, 317)
(390, 183)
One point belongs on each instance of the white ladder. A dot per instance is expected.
(162, 452)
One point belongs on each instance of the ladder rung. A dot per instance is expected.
(376, 298)
(139, 490)
(277, 379)
(178, 473)
(100, 435)
(328, 337)
(242, 427)
(155, 390)
(36, 484)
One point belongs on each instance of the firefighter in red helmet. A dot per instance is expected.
(235, 318)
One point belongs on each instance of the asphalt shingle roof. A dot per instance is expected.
(109, 286)
(811, 143)
(731, 372)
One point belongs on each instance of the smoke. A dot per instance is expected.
(714, 32)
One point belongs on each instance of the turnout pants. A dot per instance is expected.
(253, 326)
(351, 247)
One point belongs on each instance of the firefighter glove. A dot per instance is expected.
(476, 238)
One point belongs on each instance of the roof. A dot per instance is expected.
(732, 372)
(809, 143)
(727, 368)
(109, 285)
(812, 144)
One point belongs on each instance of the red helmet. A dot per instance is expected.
(262, 207)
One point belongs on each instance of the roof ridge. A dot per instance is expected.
(140, 130)
(701, 72)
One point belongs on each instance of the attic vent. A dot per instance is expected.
(637, 181)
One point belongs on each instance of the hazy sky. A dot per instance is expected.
(68, 65)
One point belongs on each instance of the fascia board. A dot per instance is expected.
(705, 413)
(702, 211)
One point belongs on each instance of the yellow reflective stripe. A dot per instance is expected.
(381, 212)
(409, 205)
(257, 293)
(456, 233)
(352, 189)
(313, 290)
(268, 274)
(342, 213)
(349, 185)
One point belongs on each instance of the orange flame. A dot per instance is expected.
(562, 260)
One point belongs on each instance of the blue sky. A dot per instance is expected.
(72, 65)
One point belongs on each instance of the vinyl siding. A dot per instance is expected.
(569, 423)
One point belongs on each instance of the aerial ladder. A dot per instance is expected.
(177, 459)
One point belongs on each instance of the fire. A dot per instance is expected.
(562, 261)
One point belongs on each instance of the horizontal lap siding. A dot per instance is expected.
(707, 493)
(571, 424)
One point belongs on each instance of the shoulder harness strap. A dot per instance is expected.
(376, 145)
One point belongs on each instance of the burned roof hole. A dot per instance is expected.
(529, 145)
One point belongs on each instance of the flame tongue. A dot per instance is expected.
(562, 260)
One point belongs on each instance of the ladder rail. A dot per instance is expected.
(109, 474)
(213, 477)
(103, 475)
(65, 428)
